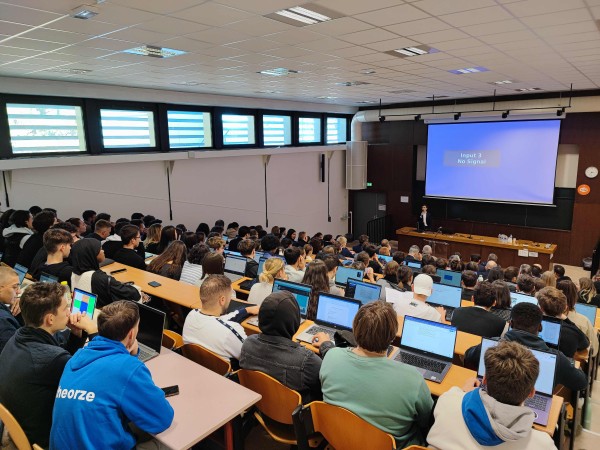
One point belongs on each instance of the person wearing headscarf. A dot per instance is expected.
(86, 256)
(275, 353)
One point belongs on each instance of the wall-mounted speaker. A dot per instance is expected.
(356, 165)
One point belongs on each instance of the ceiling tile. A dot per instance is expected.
(256, 45)
(121, 15)
(368, 36)
(418, 26)
(295, 36)
(260, 26)
(212, 14)
(10, 28)
(503, 26)
(352, 7)
(477, 16)
(343, 25)
(171, 25)
(26, 16)
(439, 7)
(559, 18)
(533, 7)
(437, 36)
(392, 44)
(325, 45)
(91, 27)
(390, 16)
(34, 44)
(157, 6)
(219, 36)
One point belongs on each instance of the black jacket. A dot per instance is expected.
(110, 290)
(566, 373)
(31, 247)
(251, 268)
(62, 271)
(572, 339)
(478, 321)
(233, 244)
(94, 236)
(9, 325)
(129, 257)
(30, 369)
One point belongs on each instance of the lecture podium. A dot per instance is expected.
(444, 245)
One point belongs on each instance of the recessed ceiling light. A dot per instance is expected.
(412, 51)
(71, 71)
(327, 97)
(469, 70)
(368, 71)
(528, 89)
(84, 12)
(365, 102)
(269, 92)
(307, 14)
(187, 83)
(502, 82)
(278, 72)
(351, 83)
(154, 52)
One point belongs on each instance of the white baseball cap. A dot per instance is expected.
(423, 284)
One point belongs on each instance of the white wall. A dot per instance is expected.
(202, 190)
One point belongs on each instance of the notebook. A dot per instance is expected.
(449, 277)
(235, 266)
(343, 273)
(152, 323)
(333, 313)
(83, 302)
(47, 278)
(447, 296)
(550, 331)
(541, 402)
(516, 298)
(428, 346)
(588, 311)
(301, 293)
(363, 291)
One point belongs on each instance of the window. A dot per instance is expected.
(189, 129)
(127, 128)
(277, 130)
(309, 130)
(336, 130)
(45, 128)
(238, 129)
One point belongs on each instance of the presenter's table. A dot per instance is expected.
(206, 401)
(466, 245)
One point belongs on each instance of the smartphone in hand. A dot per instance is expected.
(171, 391)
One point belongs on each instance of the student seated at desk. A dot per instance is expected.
(33, 360)
(295, 264)
(10, 317)
(525, 284)
(275, 353)
(127, 254)
(389, 279)
(492, 415)
(191, 273)
(332, 264)
(553, 303)
(272, 268)
(503, 302)
(478, 319)
(86, 255)
(525, 325)
(130, 397)
(468, 281)
(58, 248)
(317, 276)
(153, 238)
(210, 326)
(41, 223)
(247, 249)
(568, 288)
(415, 303)
(170, 262)
(389, 395)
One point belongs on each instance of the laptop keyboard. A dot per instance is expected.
(536, 402)
(317, 329)
(144, 354)
(420, 361)
(449, 313)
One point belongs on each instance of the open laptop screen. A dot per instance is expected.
(449, 277)
(336, 310)
(235, 264)
(588, 311)
(413, 264)
(152, 323)
(550, 331)
(384, 258)
(360, 290)
(516, 298)
(21, 271)
(46, 278)
(300, 291)
(431, 337)
(445, 295)
(343, 273)
(258, 256)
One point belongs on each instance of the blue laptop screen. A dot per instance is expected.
(445, 295)
(432, 337)
(343, 273)
(449, 277)
(21, 271)
(300, 291)
(550, 332)
(45, 278)
(365, 292)
(336, 310)
(413, 264)
(516, 298)
(588, 311)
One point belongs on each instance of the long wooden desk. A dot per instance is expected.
(171, 290)
(205, 403)
(474, 244)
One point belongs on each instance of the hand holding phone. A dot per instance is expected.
(154, 283)
(171, 390)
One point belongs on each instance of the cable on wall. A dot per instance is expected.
(5, 189)
(169, 167)
(266, 159)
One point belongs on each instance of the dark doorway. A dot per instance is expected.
(367, 206)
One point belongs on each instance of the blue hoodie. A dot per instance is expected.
(103, 388)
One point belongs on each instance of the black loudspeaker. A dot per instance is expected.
(322, 167)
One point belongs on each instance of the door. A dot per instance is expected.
(367, 206)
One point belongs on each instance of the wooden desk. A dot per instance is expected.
(483, 245)
(205, 403)
(236, 286)
(171, 290)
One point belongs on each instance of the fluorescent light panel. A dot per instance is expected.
(278, 72)
(298, 17)
(307, 14)
(154, 52)
(467, 70)
(413, 51)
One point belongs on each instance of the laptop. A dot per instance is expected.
(246, 285)
(21, 272)
(47, 278)
(235, 267)
(428, 346)
(516, 298)
(258, 256)
(343, 273)
(550, 331)
(301, 293)
(363, 291)
(226, 253)
(588, 311)
(384, 259)
(333, 313)
(447, 296)
(413, 264)
(152, 324)
(83, 302)
(541, 402)
(449, 277)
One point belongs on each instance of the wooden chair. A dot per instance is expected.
(341, 428)
(172, 340)
(416, 447)
(206, 358)
(276, 406)
(16, 433)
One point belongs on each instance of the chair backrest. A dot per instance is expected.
(206, 358)
(168, 342)
(344, 429)
(14, 429)
(176, 337)
(278, 401)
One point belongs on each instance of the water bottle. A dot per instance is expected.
(68, 291)
(480, 278)
(510, 239)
